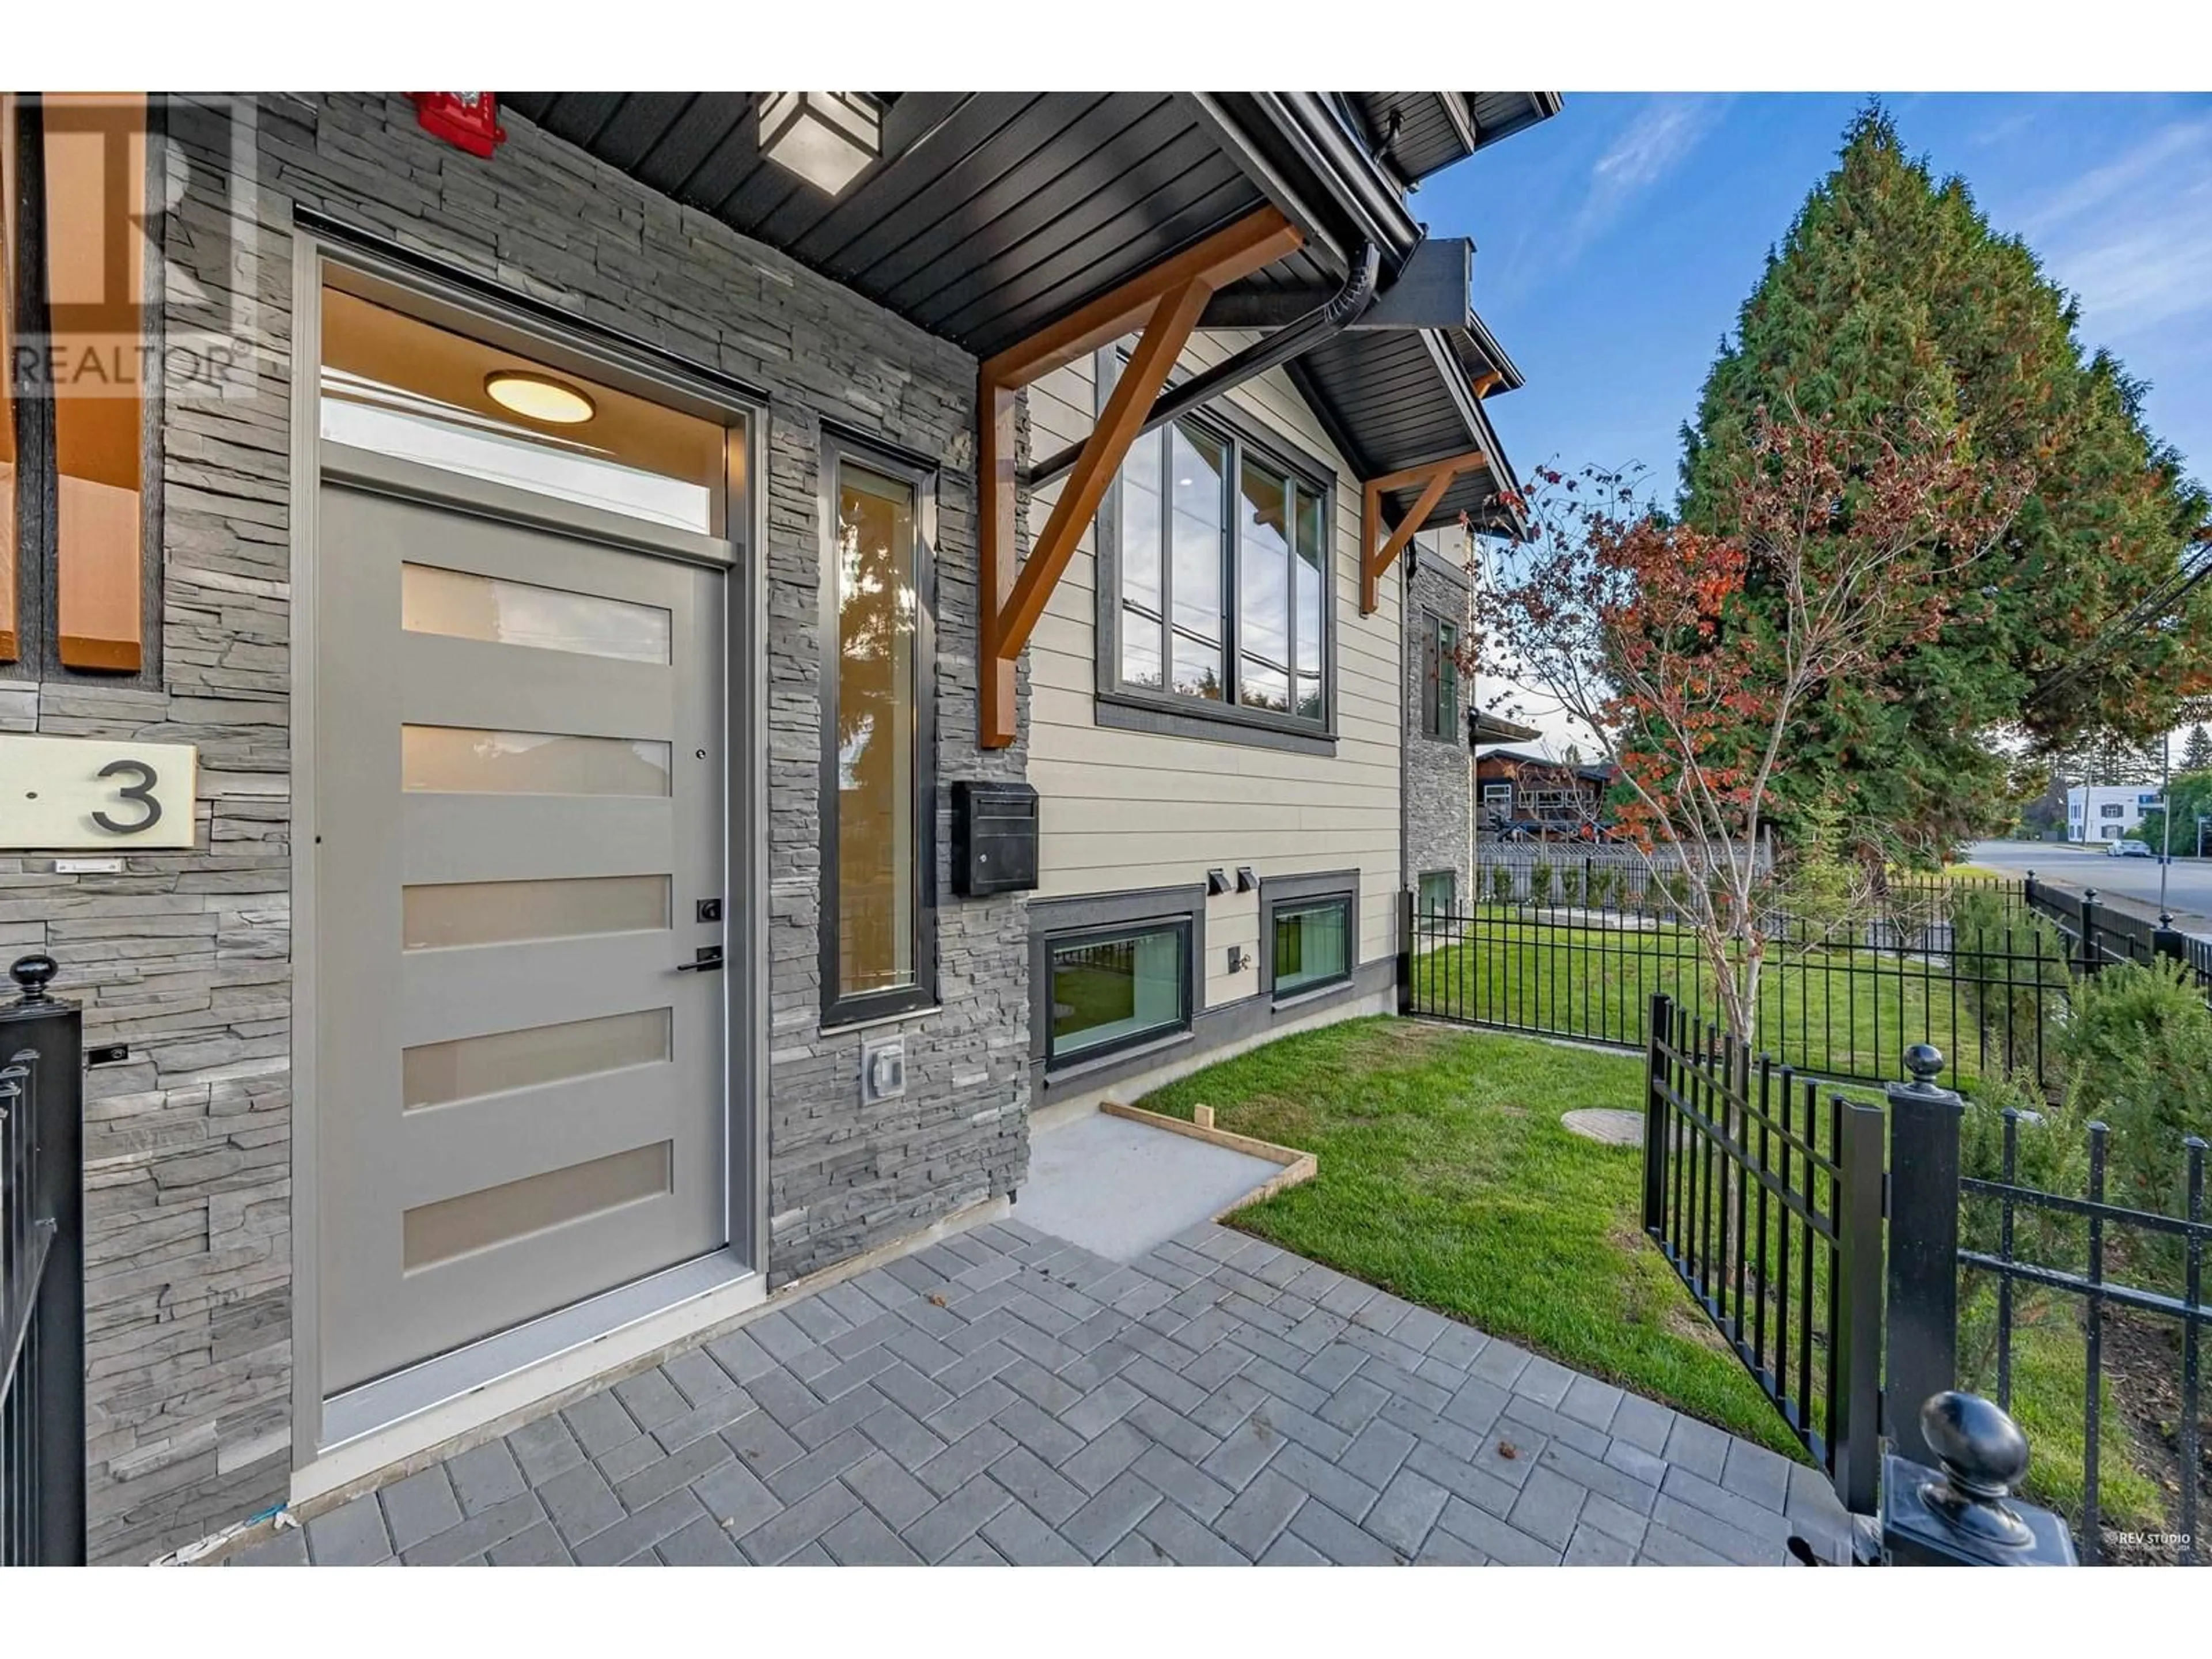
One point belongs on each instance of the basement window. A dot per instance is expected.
(1114, 988)
(1308, 932)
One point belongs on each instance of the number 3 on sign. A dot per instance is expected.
(59, 793)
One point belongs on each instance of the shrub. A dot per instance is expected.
(1570, 886)
(2012, 976)
(1501, 885)
(1602, 879)
(2051, 1154)
(2137, 1045)
(1539, 883)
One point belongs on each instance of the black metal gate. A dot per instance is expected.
(41, 1275)
(1766, 1200)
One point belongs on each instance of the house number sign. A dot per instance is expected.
(75, 791)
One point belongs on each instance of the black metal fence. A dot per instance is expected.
(1579, 952)
(2097, 935)
(2083, 1248)
(1859, 1258)
(1766, 1200)
(41, 1276)
(1980, 967)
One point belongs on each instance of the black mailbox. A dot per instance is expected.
(994, 838)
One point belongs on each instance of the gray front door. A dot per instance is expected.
(520, 810)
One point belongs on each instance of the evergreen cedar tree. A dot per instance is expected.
(2197, 753)
(1892, 298)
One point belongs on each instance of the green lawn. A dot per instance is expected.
(1446, 1177)
(1827, 1012)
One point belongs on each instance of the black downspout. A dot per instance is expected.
(1343, 308)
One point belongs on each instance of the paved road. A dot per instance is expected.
(2188, 881)
(1005, 1396)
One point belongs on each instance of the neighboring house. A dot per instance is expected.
(1514, 787)
(2107, 811)
(617, 557)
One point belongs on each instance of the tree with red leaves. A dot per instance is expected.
(1695, 657)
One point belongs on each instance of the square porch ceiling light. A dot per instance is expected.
(826, 137)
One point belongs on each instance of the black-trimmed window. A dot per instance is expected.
(1112, 988)
(1218, 594)
(81, 377)
(1308, 932)
(1313, 945)
(1439, 893)
(878, 919)
(1439, 678)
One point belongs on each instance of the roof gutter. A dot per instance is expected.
(1353, 179)
(1305, 122)
(1272, 350)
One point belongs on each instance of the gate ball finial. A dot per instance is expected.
(1982, 1454)
(32, 972)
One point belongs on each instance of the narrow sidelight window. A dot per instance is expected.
(1440, 679)
(10, 536)
(94, 147)
(877, 737)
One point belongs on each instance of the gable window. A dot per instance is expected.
(1217, 597)
(1439, 678)
(878, 930)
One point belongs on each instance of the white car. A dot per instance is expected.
(2128, 849)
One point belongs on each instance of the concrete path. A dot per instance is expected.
(1008, 1396)
(1123, 1189)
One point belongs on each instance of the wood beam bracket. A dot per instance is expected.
(1435, 478)
(1164, 304)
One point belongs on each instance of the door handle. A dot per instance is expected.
(706, 959)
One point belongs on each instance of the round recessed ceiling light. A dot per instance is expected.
(540, 397)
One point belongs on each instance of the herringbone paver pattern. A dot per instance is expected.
(1003, 1396)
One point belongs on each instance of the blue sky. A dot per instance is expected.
(1615, 242)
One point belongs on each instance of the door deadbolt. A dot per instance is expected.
(709, 910)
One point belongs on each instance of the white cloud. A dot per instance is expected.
(2133, 237)
(1658, 141)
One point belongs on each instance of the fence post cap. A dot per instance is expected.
(1925, 1061)
(1982, 1452)
(31, 973)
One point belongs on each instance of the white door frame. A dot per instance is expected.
(551, 1349)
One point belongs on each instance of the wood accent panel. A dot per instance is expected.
(1436, 477)
(95, 190)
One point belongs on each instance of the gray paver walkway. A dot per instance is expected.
(1007, 1397)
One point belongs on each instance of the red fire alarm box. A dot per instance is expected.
(468, 119)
